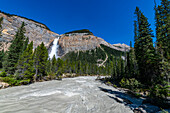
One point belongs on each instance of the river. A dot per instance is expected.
(71, 95)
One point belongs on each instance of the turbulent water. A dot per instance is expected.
(54, 49)
(71, 95)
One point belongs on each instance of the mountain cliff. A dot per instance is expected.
(79, 40)
(36, 32)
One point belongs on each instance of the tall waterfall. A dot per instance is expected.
(54, 49)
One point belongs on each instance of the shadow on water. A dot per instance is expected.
(130, 101)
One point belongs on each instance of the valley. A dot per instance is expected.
(80, 72)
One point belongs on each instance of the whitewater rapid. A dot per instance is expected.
(54, 49)
(71, 95)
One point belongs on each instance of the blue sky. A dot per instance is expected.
(111, 20)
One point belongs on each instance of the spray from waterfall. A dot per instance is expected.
(54, 49)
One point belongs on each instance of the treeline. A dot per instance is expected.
(20, 64)
(146, 67)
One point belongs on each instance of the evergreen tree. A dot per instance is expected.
(122, 67)
(2, 53)
(15, 50)
(40, 61)
(25, 64)
(49, 66)
(54, 64)
(144, 50)
(60, 65)
(1, 20)
(130, 67)
(25, 44)
(162, 17)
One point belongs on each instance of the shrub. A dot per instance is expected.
(130, 83)
(25, 82)
(3, 74)
(11, 81)
(59, 77)
(159, 91)
(124, 83)
(134, 84)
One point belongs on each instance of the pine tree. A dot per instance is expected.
(15, 50)
(144, 50)
(2, 53)
(25, 44)
(60, 65)
(40, 61)
(118, 67)
(25, 69)
(162, 17)
(130, 67)
(49, 66)
(122, 67)
(54, 64)
(1, 20)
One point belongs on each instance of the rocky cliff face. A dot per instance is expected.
(35, 31)
(38, 33)
(82, 41)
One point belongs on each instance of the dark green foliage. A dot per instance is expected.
(1, 20)
(162, 17)
(25, 82)
(54, 64)
(11, 81)
(2, 53)
(81, 31)
(85, 62)
(25, 44)
(25, 68)
(131, 83)
(111, 52)
(3, 74)
(15, 50)
(48, 66)
(144, 50)
(59, 67)
(40, 61)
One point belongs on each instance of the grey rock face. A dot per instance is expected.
(35, 31)
(81, 41)
(38, 33)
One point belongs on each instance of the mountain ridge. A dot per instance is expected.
(77, 40)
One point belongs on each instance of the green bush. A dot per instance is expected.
(3, 74)
(159, 91)
(10, 81)
(130, 83)
(59, 77)
(25, 82)
(124, 83)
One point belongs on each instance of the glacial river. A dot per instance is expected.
(71, 95)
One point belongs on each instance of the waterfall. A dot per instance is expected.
(54, 49)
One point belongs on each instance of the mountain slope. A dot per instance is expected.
(75, 41)
(36, 31)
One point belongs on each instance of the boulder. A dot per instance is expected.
(4, 85)
(1, 86)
